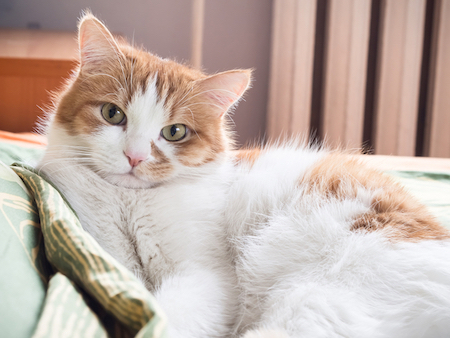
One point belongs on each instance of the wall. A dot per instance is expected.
(237, 35)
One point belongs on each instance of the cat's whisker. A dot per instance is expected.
(201, 176)
(232, 94)
(114, 96)
(73, 158)
(64, 168)
(62, 165)
(70, 148)
(204, 104)
(185, 98)
(193, 122)
(66, 153)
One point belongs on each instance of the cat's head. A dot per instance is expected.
(138, 120)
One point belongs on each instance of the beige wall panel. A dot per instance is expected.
(282, 59)
(439, 99)
(289, 105)
(303, 67)
(399, 78)
(198, 19)
(346, 68)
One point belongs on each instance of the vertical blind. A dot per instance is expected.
(362, 73)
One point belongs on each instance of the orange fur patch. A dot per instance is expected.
(393, 210)
(160, 168)
(247, 155)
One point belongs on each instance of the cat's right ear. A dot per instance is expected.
(223, 90)
(96, 43)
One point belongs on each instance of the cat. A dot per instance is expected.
(288, 240)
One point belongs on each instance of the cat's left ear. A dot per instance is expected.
(223, 90)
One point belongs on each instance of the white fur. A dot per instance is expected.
(304, 272)
(211, 232)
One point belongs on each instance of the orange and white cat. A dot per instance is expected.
(282, 241)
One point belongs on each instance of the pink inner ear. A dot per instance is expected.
(223, 97)
(83, 49)
(225, 89)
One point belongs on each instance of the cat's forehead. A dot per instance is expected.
(160, 85)
(147, 108)
(171, 80)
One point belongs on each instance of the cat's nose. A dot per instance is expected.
(134, 159)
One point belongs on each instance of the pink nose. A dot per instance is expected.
(134, 159)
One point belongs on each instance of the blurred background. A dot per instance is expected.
(358, 73)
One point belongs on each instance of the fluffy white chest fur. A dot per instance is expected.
(172, 237)
(151, 231)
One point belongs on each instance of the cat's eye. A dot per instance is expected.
(113, 114)
(174, 132)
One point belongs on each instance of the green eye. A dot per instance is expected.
(113, 114)
(174, 132)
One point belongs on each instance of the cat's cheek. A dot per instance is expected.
(110, 142)
(158, 169)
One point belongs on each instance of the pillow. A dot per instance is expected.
(24, 270)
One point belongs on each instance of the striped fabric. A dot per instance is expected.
(66, 312)
(76, 255)
(24, 270)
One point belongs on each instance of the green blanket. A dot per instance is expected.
(57, 281)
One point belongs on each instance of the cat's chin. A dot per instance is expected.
(129, 181)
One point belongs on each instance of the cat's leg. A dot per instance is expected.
(199, 303)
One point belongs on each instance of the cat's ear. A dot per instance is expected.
(96, 43)
(223, 90)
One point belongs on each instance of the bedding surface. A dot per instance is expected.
(57, 281)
